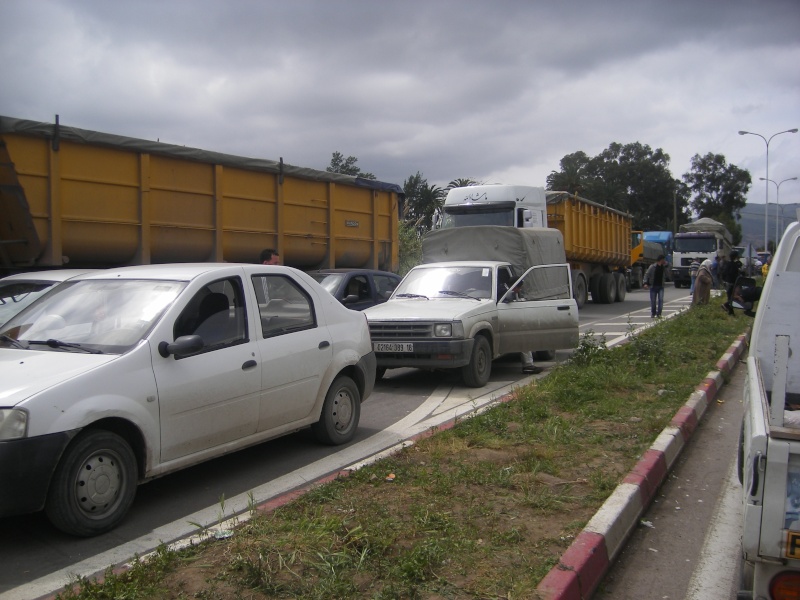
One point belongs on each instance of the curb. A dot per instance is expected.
(584, 564)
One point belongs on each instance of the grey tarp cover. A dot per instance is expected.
(59, 132)
(706, 224)
(523, 248)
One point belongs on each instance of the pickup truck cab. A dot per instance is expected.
(464, 314)
(769, 452)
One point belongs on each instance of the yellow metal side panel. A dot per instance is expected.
(305, 222)
(182, 210)
(590, 233)
(249, 216)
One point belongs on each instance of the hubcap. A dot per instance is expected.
(98, 483)
(342, 410)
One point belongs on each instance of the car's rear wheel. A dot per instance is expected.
(476, 373)
(341, 412)
(94, 484)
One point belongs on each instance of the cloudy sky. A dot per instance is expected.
(496, 90)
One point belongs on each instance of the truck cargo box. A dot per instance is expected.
(94, 199)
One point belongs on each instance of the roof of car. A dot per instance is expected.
(52, 275)
(177, 271)
(353, 270)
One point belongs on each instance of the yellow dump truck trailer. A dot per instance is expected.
(90, 199)
(597, 242)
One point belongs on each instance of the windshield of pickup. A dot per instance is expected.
(447, 282)
(106, 315)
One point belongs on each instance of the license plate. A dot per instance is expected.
(394, 347)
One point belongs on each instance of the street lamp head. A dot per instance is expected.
(746, 132)
(793, 130)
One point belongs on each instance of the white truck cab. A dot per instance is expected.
(506, 205)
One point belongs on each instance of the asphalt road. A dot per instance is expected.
(36, 559)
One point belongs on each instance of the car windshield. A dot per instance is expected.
(17, 294)
(447, 282)
(330, 281)
(94, 315)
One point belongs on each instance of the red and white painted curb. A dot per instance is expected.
(584, 564)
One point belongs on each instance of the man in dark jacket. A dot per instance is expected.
(654, 279)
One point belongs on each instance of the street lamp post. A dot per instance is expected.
(777, 202)
(766, 204)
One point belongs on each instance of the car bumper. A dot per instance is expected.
(368, 365)
(26, 467)
(439, 354)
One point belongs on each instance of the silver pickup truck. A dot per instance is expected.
(462, 314)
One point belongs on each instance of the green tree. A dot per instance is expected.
(632, 178)
(718, 190)
(347, 166)
(461, 182)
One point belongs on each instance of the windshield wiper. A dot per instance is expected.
(459, 294)
(411, 296)
(59, 344)
(12, 341)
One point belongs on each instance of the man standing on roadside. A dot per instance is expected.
(654, 279)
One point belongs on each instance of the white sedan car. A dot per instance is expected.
(126, 374)
(18, 291)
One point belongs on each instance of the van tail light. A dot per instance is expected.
(785, 586)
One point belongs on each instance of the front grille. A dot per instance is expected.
(388, 331)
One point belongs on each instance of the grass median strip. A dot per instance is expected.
(482, 510)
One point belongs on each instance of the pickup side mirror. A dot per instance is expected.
(186, 344)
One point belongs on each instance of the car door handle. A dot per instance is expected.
(563, 308)
(324, 344)
(249, 365)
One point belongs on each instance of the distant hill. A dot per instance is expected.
(752, 221)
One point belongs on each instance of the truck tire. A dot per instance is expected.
(476, 373)
(608, 289)
(93, 485)
(341, 412)
(637, 277)
(579, 290)
(622, 286)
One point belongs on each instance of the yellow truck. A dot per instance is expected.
(82, 198)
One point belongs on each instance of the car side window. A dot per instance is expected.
(217, 314)
(358, 286)
(385, 285)
(546, 282)
(283, 305)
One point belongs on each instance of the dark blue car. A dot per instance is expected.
(357, 289)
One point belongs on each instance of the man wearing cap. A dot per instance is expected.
(654, 279)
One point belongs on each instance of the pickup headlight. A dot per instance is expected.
(13, 423)
(454, 330)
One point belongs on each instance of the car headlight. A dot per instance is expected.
(13, 423)
(454, 330)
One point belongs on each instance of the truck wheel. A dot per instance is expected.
(579, 291)
(622, 286)
(608, 288)
(476, 373)
(638, 278)
(93, 485)
(340, 413)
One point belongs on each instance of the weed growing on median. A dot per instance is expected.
(484, 509)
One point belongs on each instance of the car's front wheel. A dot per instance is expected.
(476, 373)
(94, 484)
(341, 412)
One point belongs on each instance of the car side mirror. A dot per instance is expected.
(350, 299)
(186, 344)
